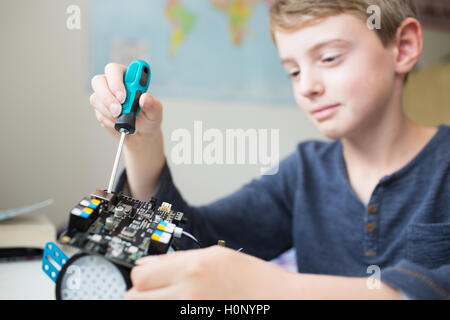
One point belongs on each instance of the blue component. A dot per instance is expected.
(158, 232)
(85, 215)
(51, 251)
(163, 222)
(92, 205)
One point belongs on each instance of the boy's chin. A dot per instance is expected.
(332, 129)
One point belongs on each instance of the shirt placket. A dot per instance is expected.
(372, 224)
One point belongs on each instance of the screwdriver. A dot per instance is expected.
(136, 81)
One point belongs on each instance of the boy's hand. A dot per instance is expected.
(220, 273)
(109, 94)
(212, 273)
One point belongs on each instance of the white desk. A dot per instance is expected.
(25, 280)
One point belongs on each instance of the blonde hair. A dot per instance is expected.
(289, 15)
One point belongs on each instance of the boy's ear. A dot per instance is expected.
(409, 45)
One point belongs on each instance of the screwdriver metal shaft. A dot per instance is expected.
(116, 161)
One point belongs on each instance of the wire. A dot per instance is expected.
(187, 234)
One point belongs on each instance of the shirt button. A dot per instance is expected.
(370, 227)
(372, 208)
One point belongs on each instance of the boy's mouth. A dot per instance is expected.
(325, 112)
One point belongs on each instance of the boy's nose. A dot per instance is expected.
(311, 87)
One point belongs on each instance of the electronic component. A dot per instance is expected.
(128, 233)
(112, 231)
(165, 207)
(119, 212)
(109, 224)
(84, 213)
(107, 198)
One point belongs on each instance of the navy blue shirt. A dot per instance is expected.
(309, 205)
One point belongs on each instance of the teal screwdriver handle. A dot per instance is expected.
(136, 80)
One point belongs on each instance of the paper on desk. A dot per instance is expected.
(6, 214)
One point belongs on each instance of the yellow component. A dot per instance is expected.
(65, 239)
(88, 210)
(160, 227)
(155, 237)
(95, 201)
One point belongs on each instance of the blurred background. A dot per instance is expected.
(52, 146)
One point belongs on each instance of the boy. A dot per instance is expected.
(375, 197)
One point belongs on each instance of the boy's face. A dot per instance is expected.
(338, 61)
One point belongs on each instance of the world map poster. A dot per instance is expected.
(218, 50)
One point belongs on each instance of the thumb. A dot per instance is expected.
(151, 107)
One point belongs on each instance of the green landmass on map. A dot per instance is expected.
(182, 21)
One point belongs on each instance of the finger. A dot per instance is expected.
(151, 107)
(106, 123)
(160, 272)
(99, 106)
(114, 76)
(101, 88)
(166, 293)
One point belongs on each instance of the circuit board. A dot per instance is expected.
(120, 228)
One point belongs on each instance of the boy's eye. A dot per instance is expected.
(294, 74)
(330, 59)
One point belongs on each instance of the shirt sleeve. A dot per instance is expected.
(256, 218)
(418, 282)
